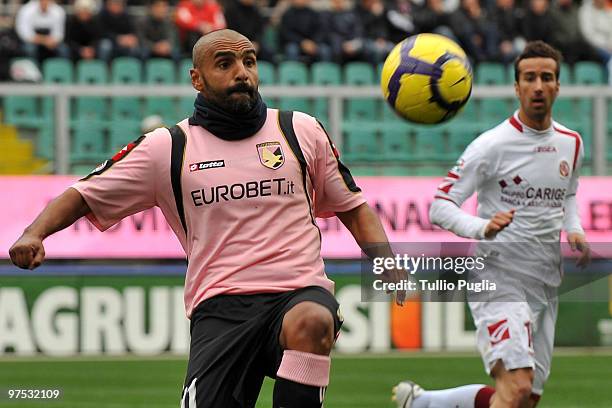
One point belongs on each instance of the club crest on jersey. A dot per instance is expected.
(564, 169)
(271, 154)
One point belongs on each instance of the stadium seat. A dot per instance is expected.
(121, 133)
(58, 71)
(588, 73)
(182, 74)
(360, 74)
(324, 74)
(88, 142)
(126, 70)
(161, 71)
(91, 107)
(397, 141)
(490, 73)
(460, 136)
(361, 142)
(494, 110)
(293, 73)
(431, 143)
(267, 76)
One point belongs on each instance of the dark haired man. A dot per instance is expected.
(526, 173)
(240, 185)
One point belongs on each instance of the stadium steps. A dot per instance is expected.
(17, 155)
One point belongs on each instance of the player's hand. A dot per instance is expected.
(499, 221)
(395, 275)
(28, 252)
(578, 242)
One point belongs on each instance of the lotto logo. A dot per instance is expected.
(206, 165)
(499, 332)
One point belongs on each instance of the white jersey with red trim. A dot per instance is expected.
(515, 167)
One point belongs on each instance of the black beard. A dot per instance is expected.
(232, 105)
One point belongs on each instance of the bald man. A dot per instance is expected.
(240, 185)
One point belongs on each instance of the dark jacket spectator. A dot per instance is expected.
(477, 36)
(245, 17)
(430, 16)
(157, 32)
(567, 36)
(302, 33)
(400, 20)
(506, 18)
(119, 30)
(537, 23)
(375, 29)
(345, 32)
(83, 32)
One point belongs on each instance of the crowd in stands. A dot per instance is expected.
(339, 31)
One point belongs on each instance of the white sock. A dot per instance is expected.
(460, 397)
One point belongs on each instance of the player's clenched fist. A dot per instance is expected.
(499, 221)
(28, 252)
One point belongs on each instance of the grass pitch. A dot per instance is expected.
(578, 380)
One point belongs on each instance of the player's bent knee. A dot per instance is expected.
(308, 327)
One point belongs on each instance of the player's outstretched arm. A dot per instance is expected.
(28, 251)
(365, 226)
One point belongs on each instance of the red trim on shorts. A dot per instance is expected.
(535, 397)
(576, 136)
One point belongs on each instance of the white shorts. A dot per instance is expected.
(520, 334)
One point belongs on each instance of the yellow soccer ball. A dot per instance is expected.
(427, 78)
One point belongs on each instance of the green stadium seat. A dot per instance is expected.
(490, 73)
(588, 73)
(360, 74)
(267, 76)
(88, 142)
(182, 75)
(397, 141)
(460, 136)
(91, 107)
(494, 110)
(126, 70)
(361, 142)
(161, 71)
(121, 133)
(58, 71)
(324, 74)
(431, 143)
(293, 73)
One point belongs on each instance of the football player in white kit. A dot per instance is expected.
(525, 172)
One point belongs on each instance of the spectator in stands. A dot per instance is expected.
(302, 34)
(83, 33)
(40, 25)
(245, 17)
(400, 20)
(477, 36)
(195, 18)
(376, 31)
(119, 31)
(345, 32)
(506, 18)
(567, 36)
(596, 25)
(157, 32)
(537, 23)
(432, 16)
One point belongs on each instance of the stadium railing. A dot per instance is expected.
(336, 95)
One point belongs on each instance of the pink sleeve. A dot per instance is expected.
(123, 185)
(334, 187)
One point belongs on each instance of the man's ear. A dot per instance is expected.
(196, 79)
